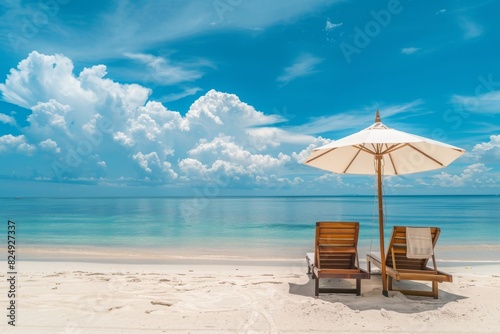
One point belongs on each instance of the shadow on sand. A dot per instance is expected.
(371, 295)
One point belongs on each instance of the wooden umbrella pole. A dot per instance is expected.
(381, 224)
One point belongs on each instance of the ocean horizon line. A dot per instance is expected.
(251, 196)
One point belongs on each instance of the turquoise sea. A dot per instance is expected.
(270, 227)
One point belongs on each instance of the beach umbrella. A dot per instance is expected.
(379, 150)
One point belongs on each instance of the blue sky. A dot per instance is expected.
(228, 97)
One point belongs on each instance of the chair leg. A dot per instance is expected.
(435, 289)
(389, 283)
(358, 287)
(316, 287)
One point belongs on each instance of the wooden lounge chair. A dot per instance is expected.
(400, 267)
(336, 255)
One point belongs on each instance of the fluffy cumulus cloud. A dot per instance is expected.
(49, 145)
(224, 154)
(9, 143)
(473, 175)
(479, 174)
(89, 127)
(488, 151)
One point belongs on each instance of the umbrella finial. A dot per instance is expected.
(377, 117)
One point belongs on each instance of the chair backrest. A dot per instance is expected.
(336, 245)
(397, 247)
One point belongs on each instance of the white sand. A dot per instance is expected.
(74, 297)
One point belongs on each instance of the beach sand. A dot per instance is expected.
(238, 297)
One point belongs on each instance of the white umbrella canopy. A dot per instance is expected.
(380, 150)
(402, 153)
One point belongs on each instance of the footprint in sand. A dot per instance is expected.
(55, 274)
(114, 308)
(157, 302)
(266, 282)
(134, 280)
(227, 282)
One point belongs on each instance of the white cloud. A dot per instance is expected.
(488, 103)
(6, 119)
(151, 163)
(330, 26)
(351, 119)
(49, 117)
(40, 78)
(25, 88)
(240, 160)
(409, 51)
(250, 14)
(488, 150)
(141, 26)
(89, 124)
(216, 111)
(472, 175)
(441, 11)
(49, 145)
(26, 148)
(177, 96)
(333, 180)
(145, 160)
(123, 139)
(477, 174)
(302, 156)
(303, 65)
(276, 181)
(471, 29)
(79, 113)
(10, 142)
(161, 70)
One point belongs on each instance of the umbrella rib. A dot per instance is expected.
(426, 155)
(354, 158)
(363, 148)
(322, 154)
(392, 163)
(394, 148)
